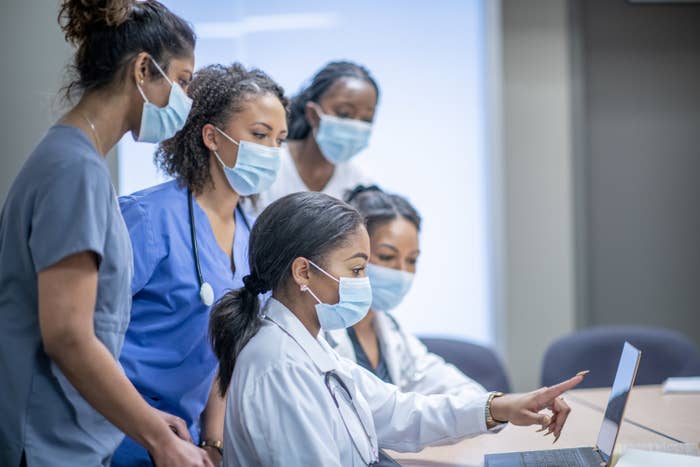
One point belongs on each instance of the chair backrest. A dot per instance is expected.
(665, 353)
(476, 361)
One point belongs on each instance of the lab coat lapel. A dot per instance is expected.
(290, 324)
(391, 345)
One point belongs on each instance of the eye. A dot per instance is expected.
(412, 261)
(343, 114)
(357, 271)
(281, 141)
(386, 257)
(259, 135)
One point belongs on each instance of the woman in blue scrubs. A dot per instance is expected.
(190, 243)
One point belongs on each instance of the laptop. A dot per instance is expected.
(600, 455)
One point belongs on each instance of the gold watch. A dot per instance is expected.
(216, 444)
(490, 421)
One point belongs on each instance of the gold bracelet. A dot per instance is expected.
(216, 444)
(490, 421)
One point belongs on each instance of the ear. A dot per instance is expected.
(209, 137)
(300, 272)
(140, 68)
(311, 114)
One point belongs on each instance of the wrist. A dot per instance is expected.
(156, 434)
(212, 445)
(498, 408)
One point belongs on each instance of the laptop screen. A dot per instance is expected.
(624, 379)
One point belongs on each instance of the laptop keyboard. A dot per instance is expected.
(561, 457)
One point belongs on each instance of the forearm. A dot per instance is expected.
(89, 366)
(214, 413)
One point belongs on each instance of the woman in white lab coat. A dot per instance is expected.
(292, 400)
(377, 342)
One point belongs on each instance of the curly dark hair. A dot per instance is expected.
(218, 92)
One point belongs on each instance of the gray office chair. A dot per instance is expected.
(476, 361)
(665, 353)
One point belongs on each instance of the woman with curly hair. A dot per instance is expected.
(190, 242)
(65, 251)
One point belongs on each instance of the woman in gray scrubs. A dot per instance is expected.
(65, 254)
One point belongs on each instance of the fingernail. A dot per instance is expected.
(541, 429)
(583, 373)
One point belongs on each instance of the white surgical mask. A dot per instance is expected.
(161, 123)
(355, 298)
(341, 139)
(256, 167)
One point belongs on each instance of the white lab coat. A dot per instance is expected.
(346, 176)
(280, 412)
(411, 366)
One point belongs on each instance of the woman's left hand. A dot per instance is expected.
(525, 409)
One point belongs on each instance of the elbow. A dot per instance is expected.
(59, 345)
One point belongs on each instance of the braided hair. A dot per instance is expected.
(218, 93)
(322, 81)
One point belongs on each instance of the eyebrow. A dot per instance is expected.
(263, 124)
(358, 255)
(392, 247)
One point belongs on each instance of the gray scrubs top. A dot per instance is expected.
(61, 203)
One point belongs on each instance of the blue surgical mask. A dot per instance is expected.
(389, 286)
(341, 139)
(161, 123)
(355, 298)
(256, 167)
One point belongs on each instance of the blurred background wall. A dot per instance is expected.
(591, 129)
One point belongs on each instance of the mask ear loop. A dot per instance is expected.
(142, 93)
(320, 269)
(305, 288)
(226, 136)
(160, 70)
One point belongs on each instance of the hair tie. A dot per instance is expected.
(254, 284)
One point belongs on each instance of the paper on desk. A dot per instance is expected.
(639, 458)
(687, 384)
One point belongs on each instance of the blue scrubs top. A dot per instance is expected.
(167, 354)
(61, 203)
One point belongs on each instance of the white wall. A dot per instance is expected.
(428, 141)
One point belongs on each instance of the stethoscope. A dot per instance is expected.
(206, 292)
(332, 375)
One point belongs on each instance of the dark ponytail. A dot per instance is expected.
(108, 34)
(378, 207)
(322, 81)
(306, 224)
(234, 320)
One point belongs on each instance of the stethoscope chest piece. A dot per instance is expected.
(206, 293)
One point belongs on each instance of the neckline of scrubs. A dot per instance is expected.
(200, 217)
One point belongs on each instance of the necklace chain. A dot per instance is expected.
(94, 132)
